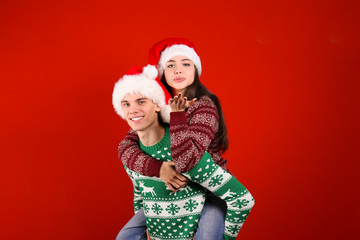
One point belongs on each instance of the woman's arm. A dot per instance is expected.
(192, 132)
(136, 160)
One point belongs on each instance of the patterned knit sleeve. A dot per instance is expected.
(238, 199)
(192, 132)
(136, 160)
(138, 199)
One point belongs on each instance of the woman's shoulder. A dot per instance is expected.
(203, 102)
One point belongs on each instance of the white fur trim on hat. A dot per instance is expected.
(144, 84)
(178, 50)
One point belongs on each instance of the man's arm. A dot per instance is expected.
(238, 199)
(138, 199)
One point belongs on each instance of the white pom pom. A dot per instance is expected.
(150, 71)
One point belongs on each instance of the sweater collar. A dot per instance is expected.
(162, 143)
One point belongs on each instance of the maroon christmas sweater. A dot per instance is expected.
(192, 132)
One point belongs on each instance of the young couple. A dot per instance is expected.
(172, 153)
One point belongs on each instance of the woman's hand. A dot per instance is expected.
(171, 177)
(180, 103)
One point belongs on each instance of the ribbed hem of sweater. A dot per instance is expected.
(154, 170)
(178, 117)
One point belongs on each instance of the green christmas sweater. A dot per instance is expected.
(172, 215)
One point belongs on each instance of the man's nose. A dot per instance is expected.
(133, 109)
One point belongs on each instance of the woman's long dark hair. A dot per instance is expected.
(198, 90)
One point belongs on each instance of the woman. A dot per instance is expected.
(196, 125)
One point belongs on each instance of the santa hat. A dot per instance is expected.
(145, 82)
(164, 50)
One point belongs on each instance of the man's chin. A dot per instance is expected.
(136, 128)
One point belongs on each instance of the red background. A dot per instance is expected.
(287, 74)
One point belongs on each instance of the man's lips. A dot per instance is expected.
(136, 118)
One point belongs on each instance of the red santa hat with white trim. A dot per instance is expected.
(162, 51)
(145, 82)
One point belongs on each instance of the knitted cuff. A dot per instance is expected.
(178, 118)
(154, 170)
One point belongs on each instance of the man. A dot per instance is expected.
(140, 100)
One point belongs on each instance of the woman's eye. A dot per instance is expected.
(187, 64)
(125, 105)
(170, 65)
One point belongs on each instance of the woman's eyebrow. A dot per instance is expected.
(185, 59)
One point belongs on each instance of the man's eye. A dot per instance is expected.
(125, 104)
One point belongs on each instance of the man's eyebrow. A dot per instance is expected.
(138, 99)
(144, 98)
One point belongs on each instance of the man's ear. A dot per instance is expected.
(158, 109)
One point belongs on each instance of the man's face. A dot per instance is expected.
(140, 112)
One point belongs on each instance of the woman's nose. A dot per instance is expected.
(177, 70)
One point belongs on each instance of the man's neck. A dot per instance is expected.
(152, 135)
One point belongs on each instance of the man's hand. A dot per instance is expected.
(180, 103)
(171, 177)
(147, 235)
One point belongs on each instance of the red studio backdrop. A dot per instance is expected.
(286, 72)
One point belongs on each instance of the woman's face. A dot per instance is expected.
(179, 73)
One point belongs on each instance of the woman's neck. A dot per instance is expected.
(176, 92)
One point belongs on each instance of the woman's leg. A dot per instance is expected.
(135, 229)
(212, 219)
